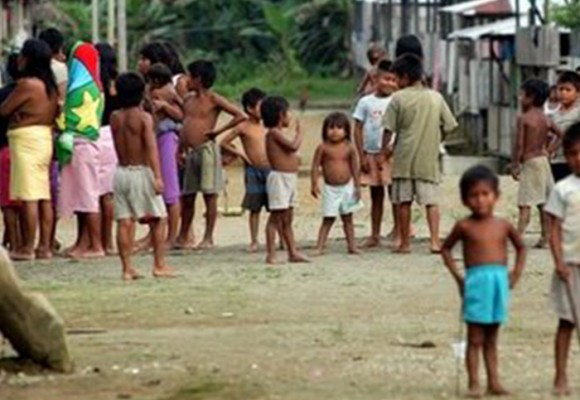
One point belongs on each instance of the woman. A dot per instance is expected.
(32, 109)
(108, 156)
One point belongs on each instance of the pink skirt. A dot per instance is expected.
(107, 160)
(5, 178)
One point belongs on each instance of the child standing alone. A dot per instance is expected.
(337, 158)
(563, 209)
(486, 286)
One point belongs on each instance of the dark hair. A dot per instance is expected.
(155, 52)
(571, 137)
(408, 65)
(475, 175)
(271, 108)
(385, 66)
(53, 38)
(409, 44)
(173, 61)
(569, 77)
(204, 70)
(12, 66)
(160, 74)
(130, 89)
(338, 120)
(38, 64)
(537, 90)
(108, 65)
(252, 97)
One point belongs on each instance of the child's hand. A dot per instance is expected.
(315, 190)
(158, 185)
(563, 272)
(365, 164)
(513, 280)
(159, 105)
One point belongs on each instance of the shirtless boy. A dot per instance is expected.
(168, 111)
(485, 287)
(138, 182)
(203, 166)
(257, 167)
(530, 163)
(375, 54)
(282, 182)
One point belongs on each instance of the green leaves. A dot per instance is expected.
(567, 15)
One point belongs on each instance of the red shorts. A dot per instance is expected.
(5, 179)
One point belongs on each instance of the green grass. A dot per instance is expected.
(320, 89)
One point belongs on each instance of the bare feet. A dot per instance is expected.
(372, 242)
(561, 389)
(354, 251)
(181, 245)
(205, 245)
(272, 260)
(43, 254)
(474, 393)
(131, 275)
(298, 258)
(164, 272)
(21, 256)
(111, 251)
(435, 249)
(253, 248)
(497, 391)
(318, 252)
(87, 254)
(401, 250)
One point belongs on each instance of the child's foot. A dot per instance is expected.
(318, 252)
(497, 391)
(402, 250)
(43, 254)
(164, 272)
(474, 393)
(184, 245)
(205, 244)
(561, 389)
(435, 249)
(372, 242)
(298, 258)
(90, 255)
(354, 251)
(22, 256)
(253, 248)
(131, 275)
(272, 260)
(110, 251)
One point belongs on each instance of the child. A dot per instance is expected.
(375, 54)
(419, 116)
(203, 167)
(282, 182)
(567, 115)
(138, 182)
(167, 107)
(368, 137)
(530, 163)
(337, 158)
(553, 104)
(562, 209)
(486, 286)
(257, 167)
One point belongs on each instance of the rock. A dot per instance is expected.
(189, 311)
(30, 323)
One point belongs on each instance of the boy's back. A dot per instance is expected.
(130, 129)
(253, 137)
(536, 128)
(418, 115)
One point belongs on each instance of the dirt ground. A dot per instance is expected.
(342, 327)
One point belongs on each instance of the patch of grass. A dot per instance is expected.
(319, 89)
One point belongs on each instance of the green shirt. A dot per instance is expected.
(419, 116)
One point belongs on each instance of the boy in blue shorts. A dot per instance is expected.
(486, 286)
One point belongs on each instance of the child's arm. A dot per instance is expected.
(152, 153)
(562, 269)
(238, 116)
(358, 141)
(18, 97)
(553, 147)
(363, 84)
(228, 145)
(518, 149)
(315, 172)
(387, 147)
(355, 170)
(447, 254)
(173, 109)
(288, 145)
(518, 243)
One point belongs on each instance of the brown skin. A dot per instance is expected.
(485, 240)
(283, 157)
(166, 102)
(385, 84)
(28, 105)
(565, 328)
(253, 137)
(533, 139)
(136, 146)
(338, 160)
(202, 110)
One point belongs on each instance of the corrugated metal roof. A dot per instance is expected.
(505, 27)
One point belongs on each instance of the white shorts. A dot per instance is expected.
(339, 200)
(282, 190)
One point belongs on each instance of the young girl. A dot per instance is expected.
(337, 158)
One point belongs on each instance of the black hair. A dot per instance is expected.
(271, 108)
(173, 61)
(108, 65)
(155, 52)
(537, 90)
(409, 44)
(252, 97)
(408, 65)
(569, 77)
(38, 58)
(475, 175)
(336, 120)
(53, 38)
(571, 137)
(159, 74)
(385, 66)
(204, 70)
(130, 89)
(12, 66)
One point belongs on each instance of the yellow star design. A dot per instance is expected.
(87, 113)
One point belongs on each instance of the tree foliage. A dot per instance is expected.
(567, 15)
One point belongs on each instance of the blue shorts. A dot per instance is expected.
(487, 294)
